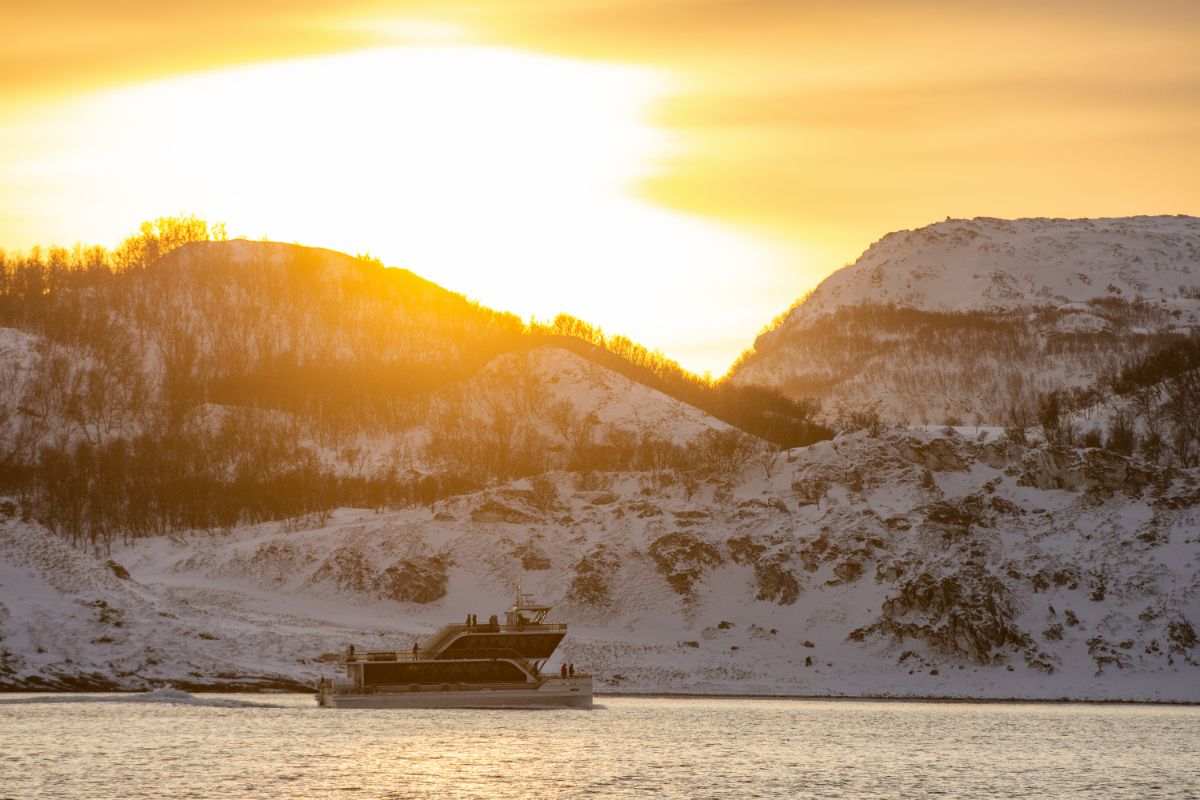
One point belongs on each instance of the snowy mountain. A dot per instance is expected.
(234, 382)
(961, 320)
(909, 564)
(988, 264)
(222, 465)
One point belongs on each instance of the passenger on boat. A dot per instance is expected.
(571, 669)
(564, 670)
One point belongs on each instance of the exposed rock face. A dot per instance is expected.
(278, 560)
(745, 550)
(683, 559)
(593, 575)
(418, 580)
(848, 570)
(776, 581)
(1064, 577)
(1181, 635)
(644, 508)
(349, 570)
(411, 580)
(1100, 472)
(532, 558)
(938, 455)
(493, 511)
(969, 613)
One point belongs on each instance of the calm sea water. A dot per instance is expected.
(175, 746)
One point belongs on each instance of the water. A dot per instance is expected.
(173, 745)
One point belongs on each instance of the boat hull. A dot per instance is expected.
(552, 693)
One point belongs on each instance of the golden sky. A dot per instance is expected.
(678, 170)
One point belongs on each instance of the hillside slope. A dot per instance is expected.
(233, 382)
(988, 264)
(904, 565)
(965, 320)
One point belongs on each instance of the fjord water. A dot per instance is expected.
(173, 745)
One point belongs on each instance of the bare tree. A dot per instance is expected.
(767, 458)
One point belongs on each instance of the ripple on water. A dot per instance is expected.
(179, 745)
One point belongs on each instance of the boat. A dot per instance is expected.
(465, 665)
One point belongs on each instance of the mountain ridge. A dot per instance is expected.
(989, 263)
(234, 471)
(980, 320)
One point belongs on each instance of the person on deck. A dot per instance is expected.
(564, 670)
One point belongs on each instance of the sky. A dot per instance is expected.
(679, 171)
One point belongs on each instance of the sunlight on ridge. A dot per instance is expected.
(502, 174)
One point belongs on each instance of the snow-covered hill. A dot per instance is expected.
(182, 431)
(988, 264)
(961, 320)
(908, 564)
(538, 380)
(546, 397)
(240, 381)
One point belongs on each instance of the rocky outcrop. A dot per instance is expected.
(348, 570)
(1181, 635)
(417, 580)
(644, 508)
(532, 558)
(411, 580)
(683, 559)
(278, 560)
(594, 572)
(956, 519)
(494, 511)
(1058, 577)
(1098, 472)
(938, 455)
(969, 613)
(775, 580)
(1106, 473)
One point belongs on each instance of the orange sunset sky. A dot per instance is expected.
(676, 170)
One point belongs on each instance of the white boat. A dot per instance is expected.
(465, 665)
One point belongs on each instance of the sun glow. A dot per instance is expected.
(509, 176)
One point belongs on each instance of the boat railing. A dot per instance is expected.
(444, 634)
(422, 655)
(403, 688)
(475, 653)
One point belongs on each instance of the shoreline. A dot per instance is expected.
(866, 698)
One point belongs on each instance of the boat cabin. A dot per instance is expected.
(470, 653)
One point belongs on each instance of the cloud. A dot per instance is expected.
(818, 125)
